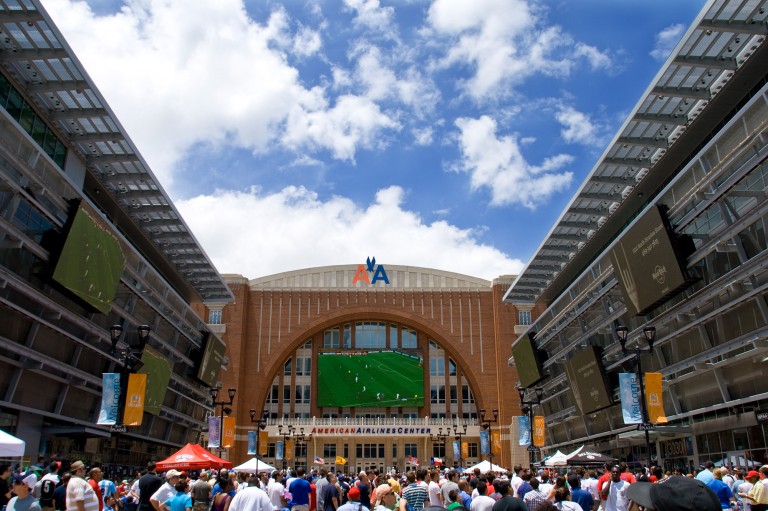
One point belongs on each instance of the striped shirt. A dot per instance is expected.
(78, 490)
(533, 498)
(416, 495)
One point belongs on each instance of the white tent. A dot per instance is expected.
(254, 466)
(10, 446)
(556, 460)
(486, 466)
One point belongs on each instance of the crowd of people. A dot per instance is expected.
(612, 488)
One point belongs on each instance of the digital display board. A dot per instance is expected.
(586, 375)
(211, 359)
(528, 361)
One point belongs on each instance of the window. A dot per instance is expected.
(286, 394)
(394, 451)
(370, 334)
(524, 317)
(303, 366)
(287, 368)
(437, 394)
(409, 338)
(454, 395)
(393, 336)
(302, 394)
(348, 335)
(410, 450)
(370, 450)
(451, 367)
(331, 338)
(437, 366)
(214, 317)
(271, 450)
(299, 451)
(472, 449)
(466, 396)
(438, 450)
(329, 451)
(273, 395)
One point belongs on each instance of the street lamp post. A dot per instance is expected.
(439, 438)
(527, 408)
(288, 434)
(649, 333)
(302, 441)
(261, 422)
(130, 361)
(224, 409)
(459, 434)
(485, 423)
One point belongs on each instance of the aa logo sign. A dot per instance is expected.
(361, 274)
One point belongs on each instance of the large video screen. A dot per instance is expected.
(528, 361)
(211, 359)
(646, 265)
(587, 378)
(378, 378)
(91, 262)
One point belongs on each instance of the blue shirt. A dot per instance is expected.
(722, 491)
(300, 489)
(582, 498)
(179, 502)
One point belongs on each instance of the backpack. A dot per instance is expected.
(46, 492)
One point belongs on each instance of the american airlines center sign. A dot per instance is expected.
(371, 430)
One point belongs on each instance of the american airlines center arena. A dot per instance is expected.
(370, 365)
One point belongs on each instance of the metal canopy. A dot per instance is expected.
(33, 50)
(719, 43)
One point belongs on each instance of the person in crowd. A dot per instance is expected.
(320, 484)
(147, 485)
(675, 493)
(80, 494)
(182, 501)
(706, 475)
(353, 501)
(300, 489)
(757, 497)
(449, 485)
(110, 504)
(546, 484)
(525, 484)
(433, 488)
(481, 502)
(615, 492)
(251, 498)
(721, 489)
(464, 493)
(507, 502)
(563, 500)
(166, 490)
(60, 493)
(559, 483)
(201, 493)
(95, 477)
(414, 494)
(331, 494)
(5, 488)
(455, 503)
(364, 485)
(23, 484)
(743, 486)
(534, 497)
(223, 499)
(578, 495)
(386, 499)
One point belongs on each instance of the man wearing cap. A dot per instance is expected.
(757, 496)
(23, 484)
(353, 504)
(80, 494)
(675, 493)
(166, 491)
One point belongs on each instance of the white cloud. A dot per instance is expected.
(313, 233)
(577, 126)
(498, 164)
(666, 40)
(596, 58)
(370, 14)
(307, 42)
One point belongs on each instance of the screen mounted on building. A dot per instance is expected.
(211, 359)
(586, 376)
(366, 379)
(528, 361)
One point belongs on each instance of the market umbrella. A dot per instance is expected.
(192, 457)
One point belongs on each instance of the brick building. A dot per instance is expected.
(458, 325)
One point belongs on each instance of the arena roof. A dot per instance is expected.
(726, 39)
(35, 52)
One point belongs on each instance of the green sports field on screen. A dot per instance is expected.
(380, 378)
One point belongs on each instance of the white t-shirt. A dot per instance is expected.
(569, 506)
(482, 503)
(251, 498)
(165, 492)
(434, 494)
(617, 496)
(275, 491)
(590, 484)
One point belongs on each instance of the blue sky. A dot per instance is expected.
(448, 134)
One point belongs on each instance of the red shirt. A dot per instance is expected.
(312, 497)
(97, 490)
(600, 482)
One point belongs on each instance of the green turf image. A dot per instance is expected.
(380, 378)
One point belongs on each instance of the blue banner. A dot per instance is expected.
(213, 431)
(110, 399)
(629, 391)
(279, 450)
(485, 442)
(524, 430)
(456, 451)
(251, 443)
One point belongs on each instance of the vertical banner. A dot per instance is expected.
(279, 450)
(110, 399)
(629, 391)
(289, 450)
(213, 431)
(496, 442)
(456, 450)
(251, 443)
(524, 430)
(464, 450)
(134, 399)
(654, 399)
(228, 433)
(484, 442)
(263, 442)
(539, 429)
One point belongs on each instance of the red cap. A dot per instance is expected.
(752, 473)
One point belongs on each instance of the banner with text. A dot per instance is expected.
(213, 431)
(524, 430)
(496, 442)
(456, 450)
(110, 399)
(484, 442)
(279, 451)
(464, 450)
(228, 434)
(539, 436)
(654, 398)
(251, 443)
(289, 450)
(134, 399)
(263, 442)
(629, 391)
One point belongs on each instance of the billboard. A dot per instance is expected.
(211, 359)
(528, 361)
(649, 263)
(587, 379)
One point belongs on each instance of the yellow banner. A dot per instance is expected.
(464, 450)
(654, 399)
(340, 460)
(496, 442)
(134, 399)
(228, 432)
(263, 443)
(538, 431)
(289, 450)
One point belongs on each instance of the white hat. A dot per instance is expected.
(172, 473)
(30, 480)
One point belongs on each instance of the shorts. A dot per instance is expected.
(201, 506)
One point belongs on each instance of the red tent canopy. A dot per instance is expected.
(192, 457)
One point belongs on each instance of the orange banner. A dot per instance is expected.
(654, 399)
(538, 431)
(464, 450)
(289, 450)
(134, 399)
(263, 443)
(228, 432)
(496, 441)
